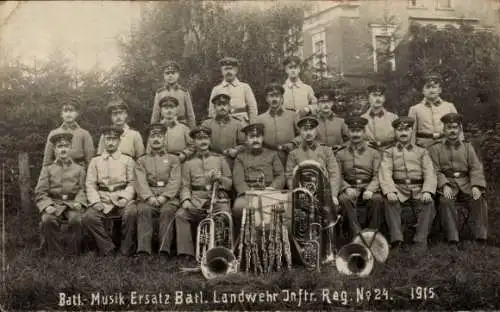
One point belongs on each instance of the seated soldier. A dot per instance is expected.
(359, 164)
(406, 173)
(199, 173)
(177, 140)
(253, 164)
(110, 191)
(459, 175)
(60, 194)
(158, 180)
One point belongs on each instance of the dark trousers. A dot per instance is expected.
(374, 212)
(50, 227)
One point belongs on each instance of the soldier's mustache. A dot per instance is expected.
(156, 142)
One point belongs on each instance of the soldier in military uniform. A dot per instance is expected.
(185, 111)
(199, 173)
(298, 95)
(253, 164)
(311, 149)
(177, 140)
(227, 137)
(60, 194)
(427, 114)
(158, 181)
(110, 191)
(82, 146)
(460, 175)
(131, 142)
(279, 122)
(359, 164)
(406, 173)
(379, 131)
(243, 103)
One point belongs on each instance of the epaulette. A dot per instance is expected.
(340, 147)
(161, 89)
(236, 117)
(126, 154)
(290, 109)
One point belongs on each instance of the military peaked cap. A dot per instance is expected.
(432, 78)
(307, 122)
(71, 101)
(376, 88)
(63, 136)
(229, 61)
(112, 130)
(168, 101)
(356, 122)
(325, 95)
(292, 60)
(195, 132)
(403, 122)
(157, 128)
(256, 128)
(452, 118)
(273, 87)
(116, 103)
(171, 66)
(221, 95)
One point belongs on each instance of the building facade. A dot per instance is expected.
(348, 36)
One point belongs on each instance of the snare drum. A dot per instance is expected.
(262, 203)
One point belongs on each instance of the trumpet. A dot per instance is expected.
(214, 240)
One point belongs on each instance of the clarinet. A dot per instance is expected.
(286, 241)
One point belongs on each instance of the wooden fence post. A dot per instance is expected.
(24, 180)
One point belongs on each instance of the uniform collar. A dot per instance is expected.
(171, 124)
(278, 112)
(160, 152)
(450, 144)
(290, 84)
(202, 155)
(400, 146)
(233, 83)
(437, 103)
(174, 86)
(62, 163)
(125, 129)
(330, 115)
(255, 151)
(70, 126)
(309, 146)
(379, 114)
(223, 119)
(360, 149)
(115, 155)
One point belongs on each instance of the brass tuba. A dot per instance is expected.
(214, 241)
(359, 257)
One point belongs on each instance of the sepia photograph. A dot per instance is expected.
(250, 155)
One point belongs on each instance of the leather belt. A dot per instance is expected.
(408, 181)
(456, 174)
(434, 135)
(358, 181)
(104, 188)
(157, 184)
(198, 188)
(79, 160)
(239, 110)
(68, 196)
(378, 144)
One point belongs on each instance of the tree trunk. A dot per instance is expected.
(24, 180)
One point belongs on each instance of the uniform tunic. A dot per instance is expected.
(226, 132)
(379, 127)
(320, 153)
(298, 96)
(61, 185)
(427, 118)
(109, 178)
(279, 127)
(157, 174)
(331, 129)
(131, 143)
(460, 159)
(82, 145)
(185, 111)
(243, 102)
(177, 139)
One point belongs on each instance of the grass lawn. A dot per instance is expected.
(442, 279)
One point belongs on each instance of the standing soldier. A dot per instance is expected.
(227, 137)
(110, 190)
(177, 140)
(427, 114)
(460, 175)
(298, 95)
(331, 129)
(185, 111)
(243, 101)
(279, 122)
(199, 173)
(131, 143)
(60, 194)
(359, 164)
(379, 131)
(407, 173)
(158, 177)
(82, 146)
(253, 164)
(311, 149)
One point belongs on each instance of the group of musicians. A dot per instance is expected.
(377, 159)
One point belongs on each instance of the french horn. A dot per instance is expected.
(359, 257)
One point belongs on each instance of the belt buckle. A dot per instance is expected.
(64, 197)
(160, 183)
(111, 188)
(456, 174)
(407, 181)
(358, 181)
(378, 143)
(436, 135)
